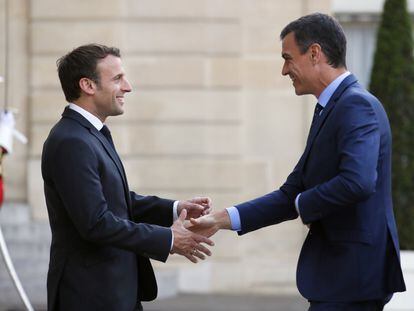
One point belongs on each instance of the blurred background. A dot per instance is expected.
(210, 114)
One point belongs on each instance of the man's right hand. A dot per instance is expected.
(208, 225)
(187, 243)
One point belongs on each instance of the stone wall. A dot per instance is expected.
(210, 114)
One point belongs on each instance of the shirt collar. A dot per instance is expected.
(330, 89)
(88, 116)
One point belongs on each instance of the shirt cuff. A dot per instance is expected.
(175, 217)
(172, 240)
(234, 218)
(297, 204)
(175, 213)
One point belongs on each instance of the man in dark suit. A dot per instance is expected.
(103, 234)
(341, 186)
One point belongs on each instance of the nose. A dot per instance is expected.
(285, 69)
(126, 86)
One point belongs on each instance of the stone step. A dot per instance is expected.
(32, 275)
(9, 297)
(36, 232)
(28, 243)
(26, 250)
(29, 269)
(29, 285)
(167, 280)
(14, 213)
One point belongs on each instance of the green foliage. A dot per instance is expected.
(392, 82)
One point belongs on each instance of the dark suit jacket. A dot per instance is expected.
(102, 234)
(351, 252)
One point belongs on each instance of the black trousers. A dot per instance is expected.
(371, 305)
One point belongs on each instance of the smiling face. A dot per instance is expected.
(109, 94)
(300, 67)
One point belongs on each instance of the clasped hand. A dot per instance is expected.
(202, 225)
(188, 243)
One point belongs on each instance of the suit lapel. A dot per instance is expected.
(314, 131)
(69, 113)
(111, 152)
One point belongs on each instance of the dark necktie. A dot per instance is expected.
(318, 109)
(317, 112)
(107, 133)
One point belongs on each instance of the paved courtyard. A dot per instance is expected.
(186, 302)
(228, 303)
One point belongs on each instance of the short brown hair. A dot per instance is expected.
(81, 63)
(322, 29)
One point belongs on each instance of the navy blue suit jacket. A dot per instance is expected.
(102, 234)
(351, 252)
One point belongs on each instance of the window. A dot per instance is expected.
(361, 34)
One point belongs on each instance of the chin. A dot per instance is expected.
(118, 112)
(301, 91)
(119, 109)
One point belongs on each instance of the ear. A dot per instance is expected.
(315, 53)
(87, 85)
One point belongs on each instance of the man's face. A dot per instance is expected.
(298, 66)
(109, 95)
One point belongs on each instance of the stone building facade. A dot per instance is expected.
(210, 114)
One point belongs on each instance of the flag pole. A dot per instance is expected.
(6, 54)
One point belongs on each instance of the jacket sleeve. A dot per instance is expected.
(75, 175)
(358, 139)
(152, 209)
(272, 208)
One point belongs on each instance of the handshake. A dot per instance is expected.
(194, 226)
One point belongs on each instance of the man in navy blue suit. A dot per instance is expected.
(103, 234)
(341, 185)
